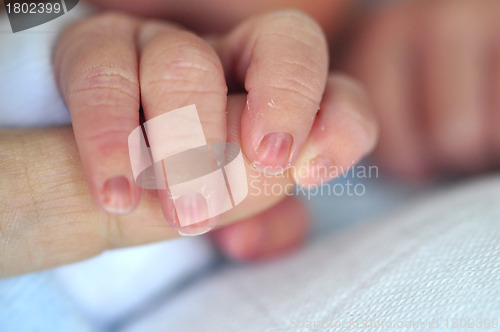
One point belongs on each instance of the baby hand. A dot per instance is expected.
(293, 113)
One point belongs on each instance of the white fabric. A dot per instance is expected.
(29, 92)
(109, 287)
(439, 259)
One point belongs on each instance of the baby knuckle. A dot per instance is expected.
(107, 140)
(308, 90)
(105, 82)
(191, 62)
(185, 65)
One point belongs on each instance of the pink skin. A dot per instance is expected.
(68, 226)
(106, 62)
(275, 231)
(102, 69)
(222, 15)
(432, 71)
(284, 89)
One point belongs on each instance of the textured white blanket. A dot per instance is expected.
(432, 266)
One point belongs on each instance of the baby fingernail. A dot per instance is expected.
(117, 196)
(273, 153)
(192, 213)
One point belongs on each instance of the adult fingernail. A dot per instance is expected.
(273, 153)
(117, 196)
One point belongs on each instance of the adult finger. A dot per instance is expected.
(494, 110)
(383, 61)
(51, 219)
(275, 231)
(454, 77)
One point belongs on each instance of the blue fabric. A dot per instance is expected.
(35, 303)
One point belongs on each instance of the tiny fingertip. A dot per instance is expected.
(117, 196)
